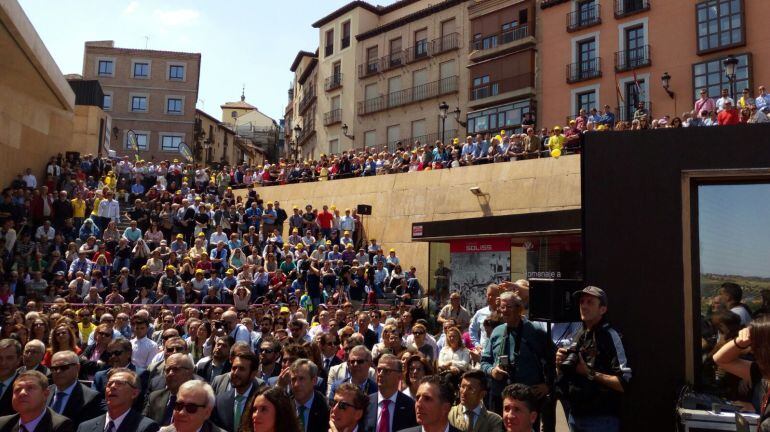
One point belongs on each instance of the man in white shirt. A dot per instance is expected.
(143, 349)
(348, 223)
(218, 236)
(30, 179)
(477, 331)
(45, 231)
(322, 327)
(236, 330)
(722, 100)
(109, 208)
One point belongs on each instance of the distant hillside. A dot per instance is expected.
(752, 286)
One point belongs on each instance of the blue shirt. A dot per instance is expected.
(137, 189)
(30, 426)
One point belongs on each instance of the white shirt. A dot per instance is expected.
(143, 351)
(218, 237)
(30, 180)
(243, 402)
(118, 421)
(109, 209)
(741, 312)
(721, 103)
(391, 408)
(42, 232)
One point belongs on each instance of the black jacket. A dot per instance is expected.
(51, 422)
(224, 411)
(404, 416)
(83, 404)
(133, 422)
(318, 417)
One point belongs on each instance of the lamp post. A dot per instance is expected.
(345, 130)
(297, 132)
(457, 113)
(443, 108)
(730, 64)
(666, 80)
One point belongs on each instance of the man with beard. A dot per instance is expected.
(218, 363)
(233, 405)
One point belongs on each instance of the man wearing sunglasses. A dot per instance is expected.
(348, 409)
(123, 388)
(67, 396)
(192, 409)
(269, 351)
(160, 403)
(359, 362)
(119, 354)
(173, 345)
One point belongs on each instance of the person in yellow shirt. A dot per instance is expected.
(556, 140)
(85, 326)
(78, 210)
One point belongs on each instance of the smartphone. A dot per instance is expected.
(502, 361)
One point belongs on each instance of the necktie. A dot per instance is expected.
(2, 387)
(238, 410)
(110, 427)
(471, 419)
(23, 428)
(301, 410)
(58, 402)
(327, 363)
(384, 425)
(169, 412)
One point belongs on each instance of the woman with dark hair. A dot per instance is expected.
(753, 339)
(271, 411)
(415, 368)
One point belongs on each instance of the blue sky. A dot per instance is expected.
(734, 222)
(241, 42)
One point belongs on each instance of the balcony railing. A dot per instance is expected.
(504, 85)
(584, 70)
(581, 19)
(501, 38)
(308, 129)
(308, 96)
(632, 59)
(333, 82)
(409, 95)
(332, 117)
(626, 112)
(419, 51)
(345, 42)
(328, 50)
(624, 8)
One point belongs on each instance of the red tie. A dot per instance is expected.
(384, 417)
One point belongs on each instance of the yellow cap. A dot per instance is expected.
(179, 236)
(346, 232)
(295, 229)
(201, 234)
(333, 207)
(170, 267)
(229, 271)
(502, 132)
(199, 271)
(284, 309)
(392, 250)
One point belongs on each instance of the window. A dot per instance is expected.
(106, 68)
(636, 52)
(394, 135)
(141, 70)
(482, 89)
(176, 72)
(720, 24)
(107, 102)
(418, 131)
(585, 101)
(142, 142)
(370, 138)
(711, 76)
(507, 116)
(334, 146)
(139, 103)
(170, 143)
(345, 41)
(329, 48)
(371, 59)
(395, 53)
(420, 43)
(174, 106)
(588, 13)
(586, 54)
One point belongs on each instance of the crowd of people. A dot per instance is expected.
(215, 311)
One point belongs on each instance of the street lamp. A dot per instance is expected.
(730, 63)
(665, 80)
(345, 132)
(297, 132)
(457, 112)
(443, 108)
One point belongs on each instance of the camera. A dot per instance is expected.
(569, 365)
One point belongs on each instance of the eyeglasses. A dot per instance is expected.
(119, 383)
(61, 368)
(189, 407)
(357, 362)
(114, 353)
(267, 351)
(418, 333)
(342, 404)
(386, 370)
(175, 349)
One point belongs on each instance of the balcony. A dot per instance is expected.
(421, 50)
(328, 50)
(345, 42)
(624, 8)
(333, 82)
(585, 18)
(308, 97)
(410, 95)
(632, 59)
(498, 39)
(370, 68)
(519, 84)
(584, 70)
(626, 112)
(308, 129)
(332, 117)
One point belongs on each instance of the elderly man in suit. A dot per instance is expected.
(470, 415)
(119, 353)
(30, 391)
(359, 362)
(10, 356)
(160, 403)
(122, 387)
(434, 400)
(32, 357)
(192, 409)
(232, 404)
(389, 409)
(341, 371)
(67, 396)
(311, 406)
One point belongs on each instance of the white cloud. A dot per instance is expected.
(131, 8)
(178, 17)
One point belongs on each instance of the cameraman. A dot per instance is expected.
(517, 352)
(594, 370)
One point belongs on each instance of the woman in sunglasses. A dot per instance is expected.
(62, 339)
(273, 411)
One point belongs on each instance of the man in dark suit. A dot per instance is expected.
(10, 357)
(434, 400)
(233, 403)
(470, 415)
(122, 389)
(67, 396)
(32, 357)
(156, 371)
(389, 409)
(348, 408)
(370, 337)
(119, 354)
(311, 406)
(160, 403)
(193, 408)
(30, 391)
(329, 348)
(218, 362)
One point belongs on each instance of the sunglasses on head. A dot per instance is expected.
(189, 407)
